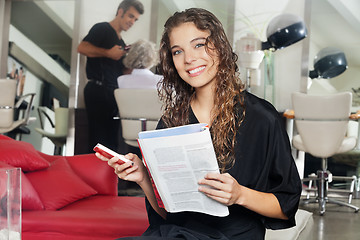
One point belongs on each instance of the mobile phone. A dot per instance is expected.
(127, 48)
(108, 153)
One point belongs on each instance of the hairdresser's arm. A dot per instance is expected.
(228, 191)
(135, 171)
(90, 50)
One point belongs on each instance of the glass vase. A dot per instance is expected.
(10, 204)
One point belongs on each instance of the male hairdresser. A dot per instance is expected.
(104, 48)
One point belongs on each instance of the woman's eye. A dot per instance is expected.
(199, 45)
(176, 52)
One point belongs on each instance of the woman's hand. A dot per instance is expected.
(226, 190)
(221, 187)
(133, 170)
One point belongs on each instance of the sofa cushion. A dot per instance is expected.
(2, 136)
(21, 154)
(104, 181)
(94, 218)
(30, 199)
(58, 185)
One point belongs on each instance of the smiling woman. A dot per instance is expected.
(201, 84)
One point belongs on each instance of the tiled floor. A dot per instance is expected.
(337, 222)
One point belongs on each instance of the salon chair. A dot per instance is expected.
(58, 130)
(139, 110)
(321, 123)
(8, 108)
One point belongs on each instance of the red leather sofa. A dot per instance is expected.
(71, 197)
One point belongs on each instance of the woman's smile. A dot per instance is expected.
(196, 71)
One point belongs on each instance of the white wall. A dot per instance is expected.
(61, 12)
(346, 80)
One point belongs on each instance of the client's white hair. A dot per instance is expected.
(142, 54)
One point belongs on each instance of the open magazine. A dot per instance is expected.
(176, 158)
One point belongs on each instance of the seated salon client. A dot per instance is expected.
(140, 58)
(258, 179)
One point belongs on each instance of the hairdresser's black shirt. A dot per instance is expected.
(104, 69)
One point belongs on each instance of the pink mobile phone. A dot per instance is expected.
(108, 153)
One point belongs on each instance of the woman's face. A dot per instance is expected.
(193, 63)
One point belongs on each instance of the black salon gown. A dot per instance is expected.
(263, 162)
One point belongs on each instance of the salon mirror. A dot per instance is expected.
(335, 24)
(40, 40)
(39, 36)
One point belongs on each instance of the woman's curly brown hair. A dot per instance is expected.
(176, 93)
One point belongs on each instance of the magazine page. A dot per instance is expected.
(176, 163)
